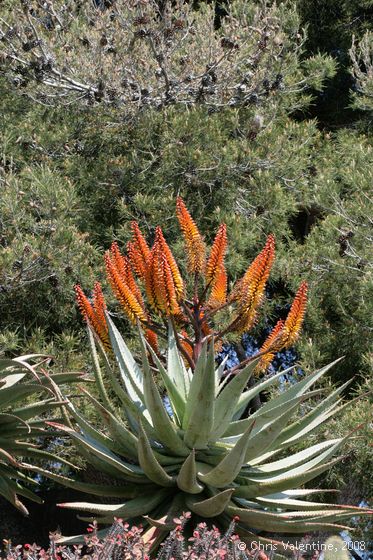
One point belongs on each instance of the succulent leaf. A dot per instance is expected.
(227, 400)
(210, 507)
(106, 490)
(201, 419)
(149, 463)
(200, 455)
(297, 458)
(226, 471)
(124, 439)
(254, 487)
(310, 421)
(20, 379)
(195, 385)
(97, 369)
(248, 395)
(175, 364)
(176, 399)
(264, 439)
(130, 372)
(132, 472)
(133, 508)
(187, 477)
(163, 425)
(263, 520)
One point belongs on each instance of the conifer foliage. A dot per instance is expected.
(149, 54)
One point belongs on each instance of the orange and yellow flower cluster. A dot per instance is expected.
(285, 333)
(94, 312)
(149, 287)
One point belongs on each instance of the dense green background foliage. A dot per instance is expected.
(73, 181)
(72, 178)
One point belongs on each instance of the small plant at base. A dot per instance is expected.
(126, 542)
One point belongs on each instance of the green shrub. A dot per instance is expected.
(258, 169)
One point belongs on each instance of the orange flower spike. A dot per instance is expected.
(154, 283)
(284, 334)
(258, 271)
(178, 281)
(136, 260)
(140, 241)
(99, 303)
(218, 294)
(138, 251)
(117, 257)
(150, 282)
(193, 239)
(94, 314)
(128, 300)
(294, 320)
(123, 267)
(216, 258)
(249, 291)
(160, 292)
(84, 304)
(169, 288)
(152, 339)
(272, 344)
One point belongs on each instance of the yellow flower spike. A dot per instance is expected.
(160, 286)
(272, 344)
(127, 299)
(249, 291)
(158, 273)
(170, 295)
(124, 269)
(150, 282)
(154, 281)
(216, 258)
(138, 251)
(166, 251)
(195, 246)
(295, 318)
(94, 314)
(218, 294)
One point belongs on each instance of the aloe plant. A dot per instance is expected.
(203, 456)
(20, 422)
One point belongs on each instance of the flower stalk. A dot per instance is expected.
(151, 290)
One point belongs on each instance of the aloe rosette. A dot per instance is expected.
(21, 423)
(202, 455)
(195, 449)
